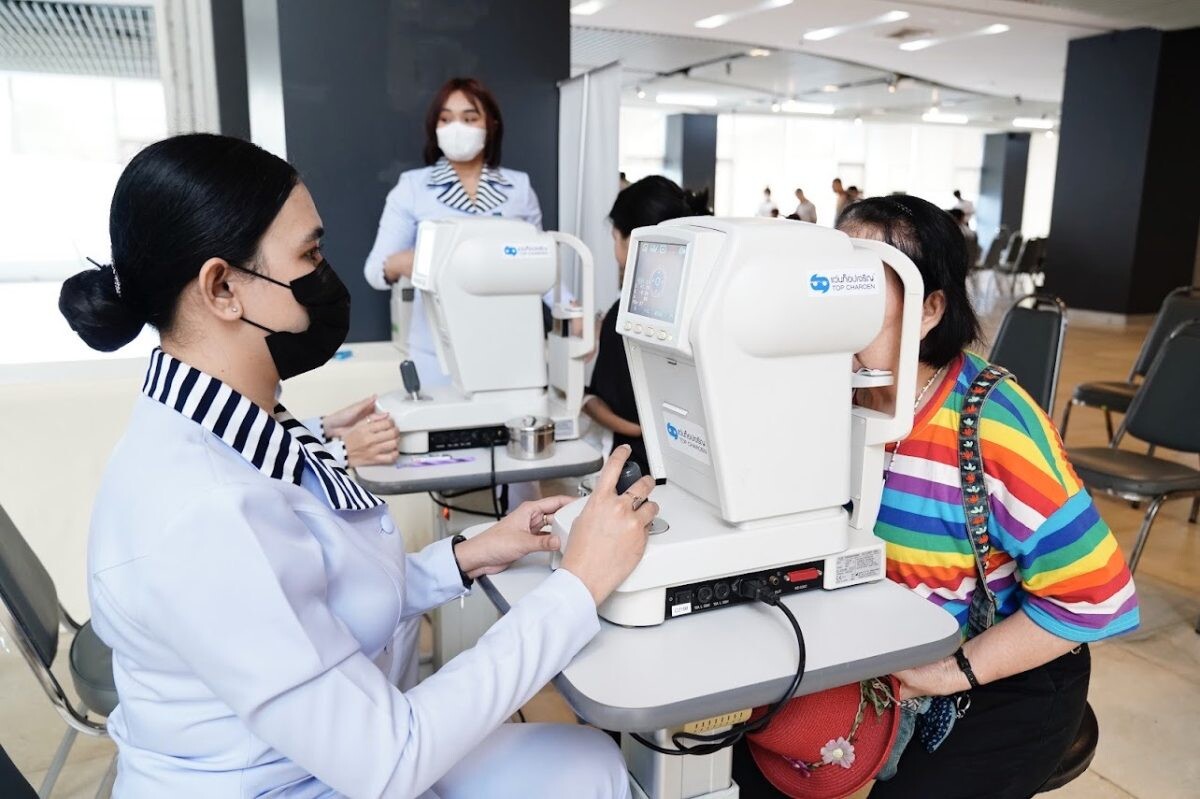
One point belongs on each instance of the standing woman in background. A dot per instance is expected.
(462, 177)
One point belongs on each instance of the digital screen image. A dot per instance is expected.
(657, 280)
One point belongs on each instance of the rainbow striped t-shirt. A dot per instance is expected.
(1052, 555)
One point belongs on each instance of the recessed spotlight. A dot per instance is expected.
(758, 52)
(858, 120)
(830, 87)
(922, 44)
(775, 107)
(641, 93)
(992, 30)
(918, 44)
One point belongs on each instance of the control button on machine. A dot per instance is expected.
(629, 325)
(637, 328)
(649, 331)
(662, 335)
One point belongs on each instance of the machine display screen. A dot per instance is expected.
(657, 280)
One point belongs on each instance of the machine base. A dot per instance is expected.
(697, 564)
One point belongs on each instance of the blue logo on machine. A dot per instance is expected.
(510, 250)
(672, 431)
(819, 283)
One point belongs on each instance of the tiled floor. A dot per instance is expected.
(1145, 686)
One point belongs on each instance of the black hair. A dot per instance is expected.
(958, 214)
(958, 194)
(652, 200)
(179, 202)
(932, 239)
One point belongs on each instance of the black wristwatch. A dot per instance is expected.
(455, 541)
(965, 666)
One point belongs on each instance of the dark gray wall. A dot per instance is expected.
(1125, 209)
(357, 79)
(229, 50)
(691, 151)
(1001, 184)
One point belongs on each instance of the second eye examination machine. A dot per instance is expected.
(740, 336)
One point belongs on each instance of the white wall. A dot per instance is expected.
(1039, 185)
(643, 142)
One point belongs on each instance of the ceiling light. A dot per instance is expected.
(821, 34)
(1033, 122)
(588, 8)
(797, 107)
(775, 107)
(921, 44)
(683, 98)
(641, 93)
(858, 120)
(717, 20)
(830, 87)
(945, 119)
(758, 52)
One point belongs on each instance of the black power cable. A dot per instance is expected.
(715, 742)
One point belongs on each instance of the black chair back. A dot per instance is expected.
(1013, 249)
(12, 784)
(28, 592)
(1029, 344)
(1030, 259)
(996, 249)
(1181, 305)
(1164, 411)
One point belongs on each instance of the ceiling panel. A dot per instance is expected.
(112, 40)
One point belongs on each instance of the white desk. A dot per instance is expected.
(413, 474)
(700, 666)
(458, 625)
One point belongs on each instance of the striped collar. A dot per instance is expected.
(274, 443)
(489, 195)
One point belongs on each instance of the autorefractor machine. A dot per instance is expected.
(740, 335)
(482, 281)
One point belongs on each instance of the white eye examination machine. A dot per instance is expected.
(740, 335)
(482, 282)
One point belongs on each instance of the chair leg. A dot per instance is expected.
(1144, 533)
(1062, 433)
(1108, 423)
(60, 760)
(1195, 511)
(106, 784)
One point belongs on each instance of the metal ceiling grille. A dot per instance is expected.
(78, 39)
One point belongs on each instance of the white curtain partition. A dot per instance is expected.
(589, 113)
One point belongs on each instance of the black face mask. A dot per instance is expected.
(324, 296)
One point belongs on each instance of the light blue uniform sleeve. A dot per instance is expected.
(432, 579)
(397, 230)
(527, 206)
(240, 597)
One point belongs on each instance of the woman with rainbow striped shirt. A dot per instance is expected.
(1057, 576)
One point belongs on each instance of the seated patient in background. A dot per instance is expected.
(611, 404)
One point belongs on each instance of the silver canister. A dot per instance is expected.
(530, 438)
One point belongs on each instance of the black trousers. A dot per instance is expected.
(1008, 743)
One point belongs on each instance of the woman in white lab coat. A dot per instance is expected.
(464, 132)
(251, 591)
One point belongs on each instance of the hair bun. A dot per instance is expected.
(92, 307)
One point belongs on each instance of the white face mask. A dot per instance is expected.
(461, 142)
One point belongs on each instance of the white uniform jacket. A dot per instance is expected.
(252, 591)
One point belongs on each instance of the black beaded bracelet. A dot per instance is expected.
(455, 541)
(965, 666)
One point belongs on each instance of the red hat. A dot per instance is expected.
(827, 745)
